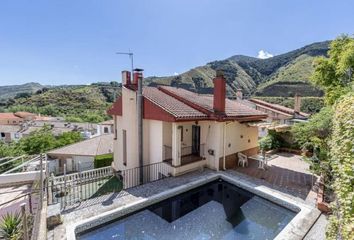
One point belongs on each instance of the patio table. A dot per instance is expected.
(262, 160)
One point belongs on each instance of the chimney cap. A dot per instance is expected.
(138, 69)
(219, 73)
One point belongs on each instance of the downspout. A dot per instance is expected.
(140, 123)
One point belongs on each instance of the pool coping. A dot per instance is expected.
(295, 229)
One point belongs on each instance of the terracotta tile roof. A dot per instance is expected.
(185, 105)
(24, 114)
(278, 107)
(8, 115)
(233, 109)
(95, 146)
(170, 104)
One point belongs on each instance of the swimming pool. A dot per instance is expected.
(214, 210)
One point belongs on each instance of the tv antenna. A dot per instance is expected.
(131, 56)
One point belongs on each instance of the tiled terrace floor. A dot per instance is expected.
(286, 172)
(13, 196)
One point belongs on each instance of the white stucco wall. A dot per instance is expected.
(211, 135)
(128, 123)
(152, 135)
(240, 137)
(153, 141)
(83, 163)
(158, 133)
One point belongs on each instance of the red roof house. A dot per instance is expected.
(181, 128)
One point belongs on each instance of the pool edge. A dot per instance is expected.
(295, 229)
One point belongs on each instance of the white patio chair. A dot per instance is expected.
(242, 160)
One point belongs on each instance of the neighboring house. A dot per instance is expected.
(55, 131)
(10, 119)
(9, 133)
(80, 156)
(183, 129)
(28, 122)
(16, 118)
(279, 118)
(105, 127)
(280, 114)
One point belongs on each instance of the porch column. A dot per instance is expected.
(176, 145)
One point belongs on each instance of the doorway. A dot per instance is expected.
(196, 140)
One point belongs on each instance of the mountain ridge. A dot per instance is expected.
(250, 73)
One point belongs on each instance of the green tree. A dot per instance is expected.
(38, 141)
(67, 138)
(92, 117)
(10, 149)
(334, 74)
(72, 118)
(315, 135)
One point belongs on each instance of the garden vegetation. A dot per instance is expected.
(329, 134)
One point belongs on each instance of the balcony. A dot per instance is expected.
(188, 154)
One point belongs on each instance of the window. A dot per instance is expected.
(105, 129)
(2, 134)
(124, 147)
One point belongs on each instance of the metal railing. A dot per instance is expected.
(188, 153)
(151, 173)
(71, 189)
(28, 205)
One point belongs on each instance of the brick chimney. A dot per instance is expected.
(219, 92)
(297, 103)
(126, 78)
(136, 76)
(239, 94)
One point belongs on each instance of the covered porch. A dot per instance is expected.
(183, 145)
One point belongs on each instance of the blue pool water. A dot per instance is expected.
(217, 210)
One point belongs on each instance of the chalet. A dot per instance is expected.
(183, 129)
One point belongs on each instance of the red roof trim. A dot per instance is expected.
(116, 108)
(154, 112)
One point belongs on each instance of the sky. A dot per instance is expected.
(75, 41)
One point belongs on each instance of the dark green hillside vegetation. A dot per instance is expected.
(76, 103)
(12, 91)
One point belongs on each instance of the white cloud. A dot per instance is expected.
(264, 54)
(175, 73)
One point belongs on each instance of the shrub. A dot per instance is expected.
(269, 142)
(103, 160)
(341, 224)
(10, 226)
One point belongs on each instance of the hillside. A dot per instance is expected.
(76, 103)
(282, 75)
(12, 91)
